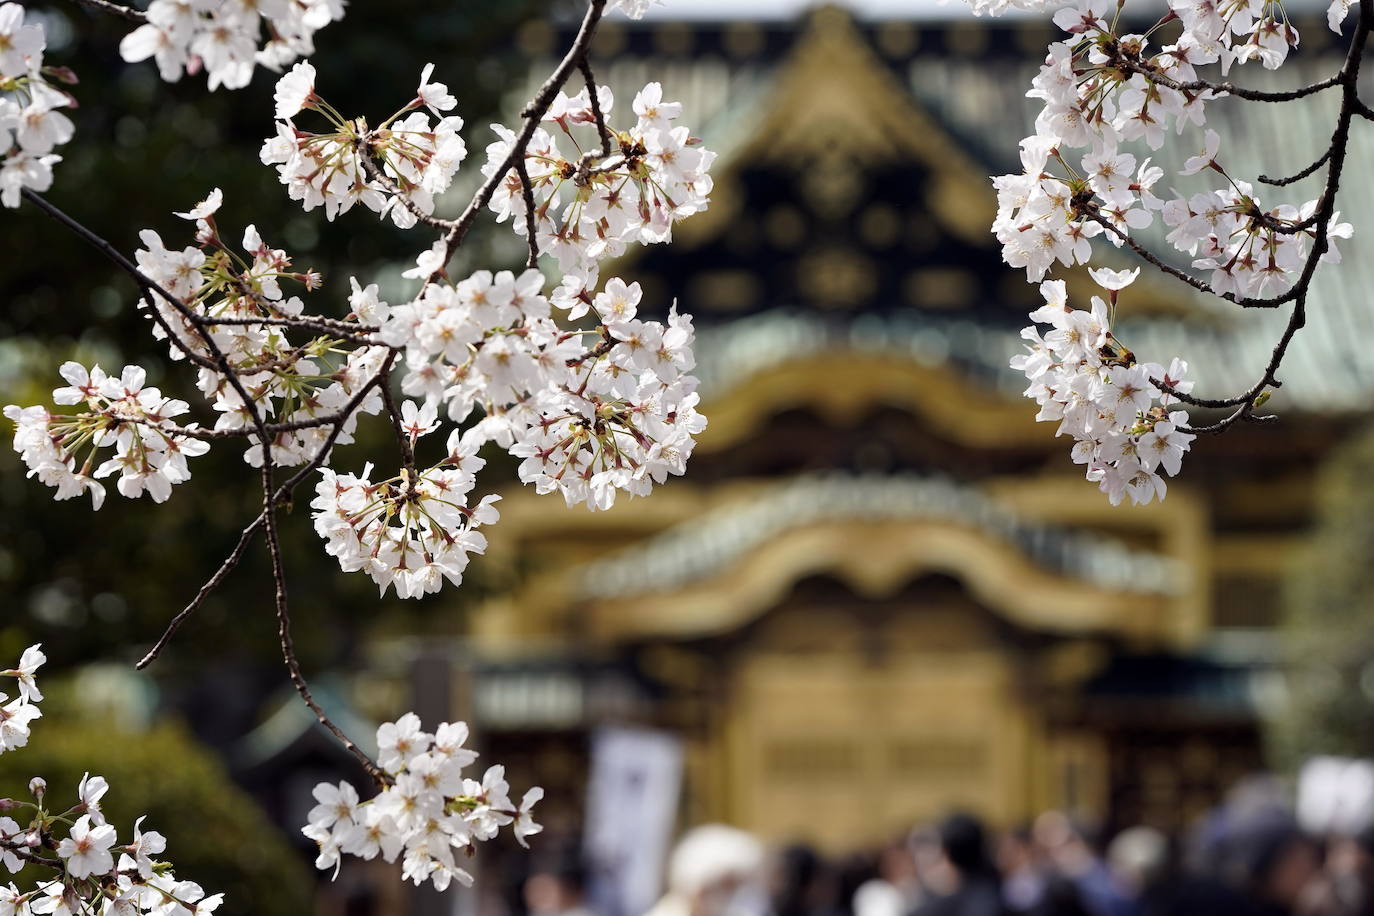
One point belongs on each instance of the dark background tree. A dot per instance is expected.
(1328, 637)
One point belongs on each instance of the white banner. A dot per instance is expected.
(636, 779)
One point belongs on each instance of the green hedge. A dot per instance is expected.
(216, 835)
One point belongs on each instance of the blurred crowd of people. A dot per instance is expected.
(1248, 858)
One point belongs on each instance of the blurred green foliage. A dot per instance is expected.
(1328, 630)
(216, 834)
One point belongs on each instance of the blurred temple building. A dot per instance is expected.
(883, 589)
(881, 584)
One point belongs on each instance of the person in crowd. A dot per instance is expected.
(1072, 858)
(1277, 862)
(801, 883)
(1346, 885)
(974, 885)
(896, 888)
(1137, 859)
(557, 887)
(714, 870)
(1024, 879)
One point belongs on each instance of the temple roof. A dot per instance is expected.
(703, 546)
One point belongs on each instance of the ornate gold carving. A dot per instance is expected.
(968, 39)
(859, 112)
(941, 288)
(880, 225)
(743, 39)
(898, 39)
(836, 277)
(832, 185)
(889, 746)
(725, 290)
(674, 39)
(785, 226)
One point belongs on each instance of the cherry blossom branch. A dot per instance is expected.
(280, 498)
(1336, 154)
(532, 114)
(288, 648)
(147, 287)
(594, 100)
(598, 351)
(1153, 73)
(270, 503)
(402, 439)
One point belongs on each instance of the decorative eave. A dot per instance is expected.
(717, 558)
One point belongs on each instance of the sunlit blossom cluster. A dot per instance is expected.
(591, 412)
(589, 209)
(410, 537)
(226, 39)
(1244, 29)
(593, 399)
(123, 426)
(95, 873)
(32, 124)
(289, 381)
(1104, 89)
(1087, 381)
(415, 152)
(563, 372)
(428, 814)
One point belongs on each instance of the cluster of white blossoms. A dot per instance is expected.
(17, 715)
(409, 537)
(1102, 89)
(427, 813)
(225, 39)
(1242, 29)
(1084, 379)
(589, 209)
(96, 873)
(587, 420)
(414, 157)
(287, 382)
(122, 415)
(32, 124)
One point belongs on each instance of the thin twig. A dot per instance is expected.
(602, 130)
(1283, 182)
(288, 648)
(402, 438)
(115, 9)
(527, 192)
(280, 498)
(605, 345)
(376, 174)
(1153, 73)
(230, 563)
